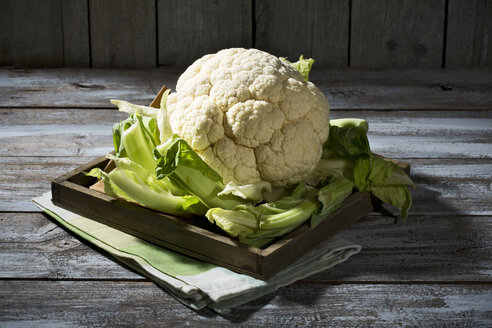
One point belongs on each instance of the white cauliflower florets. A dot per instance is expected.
(250, 116)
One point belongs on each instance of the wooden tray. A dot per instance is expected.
(196, 236)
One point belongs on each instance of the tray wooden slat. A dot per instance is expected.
(195, 236)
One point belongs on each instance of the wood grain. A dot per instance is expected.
(101, 303)
(422, 249)
(444, 186)
(76, 44)
(33, 246)
(190, 29)
(21, 183)
(345, 89)
(450, 248)
(85, 88)
(432, 270)
(123, 33)
(31, 33)
(469, 33)
(403, 33)
(70, 137)
(317, 29)
(400, 134)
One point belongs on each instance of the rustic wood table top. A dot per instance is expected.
(434, 269)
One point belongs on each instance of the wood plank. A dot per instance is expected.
(345, 88)
(33, 246)
(76, 45)
(422, 249)
(405, 89)
(450, 248)
(22, 182)
(317, 29)
(441, 137)
(402, 134)
(190, 29)
(444, 186)
(86, 88)
(388, 33)
(78, 132)
(31, 33)
(123, 33)
(461, 188)
(57, 140)
(96, 303)
(469, 32)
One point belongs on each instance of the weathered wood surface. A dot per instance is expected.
(422, 249)
(317, 29)
(387, 33)
(432, 270)
(62, 303)
(450, 134)
(123, 33)
(469, 31)
(86, 88)
(346, 89)
(188, 30)
(31, 33)
(68, 141)
(76, 42)
(444, 187)
(337, 33)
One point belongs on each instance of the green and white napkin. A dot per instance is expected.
(193, 282)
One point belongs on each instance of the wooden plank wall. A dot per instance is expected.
(337, 33)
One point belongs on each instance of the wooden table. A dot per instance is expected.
(434, 269)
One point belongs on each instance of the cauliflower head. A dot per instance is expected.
(250, 116)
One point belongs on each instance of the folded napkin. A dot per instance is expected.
(195, 283)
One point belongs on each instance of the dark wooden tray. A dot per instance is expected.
(196, 236)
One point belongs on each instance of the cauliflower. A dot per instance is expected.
(250, 116)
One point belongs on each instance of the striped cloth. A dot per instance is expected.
(195, 283)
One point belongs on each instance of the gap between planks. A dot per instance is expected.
(299, 282)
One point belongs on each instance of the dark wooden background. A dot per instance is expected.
(337, 33)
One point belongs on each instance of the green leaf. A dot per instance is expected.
(177, 161)
(302, 65)
(384, 179)
(125, 106)
(301, 192)
(290, 218)
(387, 173)
(118, 129)
(390, 184)
(110, 188)
(237, 223)
(362, 170)
(398, 196)
(253, 192)
(135, 138)
(165, 129)
(329, 168)
(332, 196)
(144, 188)
(259, 225)
(347, 139)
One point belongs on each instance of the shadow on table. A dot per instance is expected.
(439, 242)
(426, 200)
